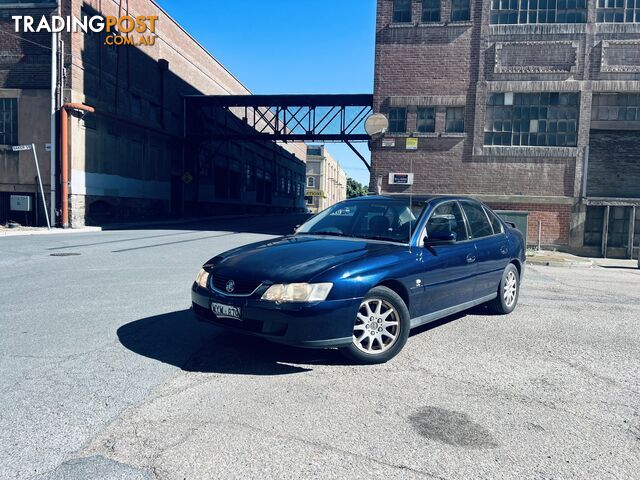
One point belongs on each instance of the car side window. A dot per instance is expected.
(447, 218)
(495, 222)
(478, 220)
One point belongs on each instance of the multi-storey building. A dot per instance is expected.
(326, 180)
(526, 105)
(127, 155)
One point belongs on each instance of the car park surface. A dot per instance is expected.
(106, 375)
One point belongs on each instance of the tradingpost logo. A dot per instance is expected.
(125, 30)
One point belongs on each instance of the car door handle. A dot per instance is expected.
(471, 258)
(504, 250)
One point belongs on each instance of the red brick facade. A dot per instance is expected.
(450, 64)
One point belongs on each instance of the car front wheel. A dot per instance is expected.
(381, 327)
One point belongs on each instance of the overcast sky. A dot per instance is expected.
(290, 46)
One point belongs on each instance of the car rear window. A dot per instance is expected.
(495, 221)
(478, 220)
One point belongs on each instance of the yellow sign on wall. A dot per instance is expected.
(315, 193)
(412, 143)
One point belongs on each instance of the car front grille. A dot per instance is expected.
(241, 287)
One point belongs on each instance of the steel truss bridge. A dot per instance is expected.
(279, 118)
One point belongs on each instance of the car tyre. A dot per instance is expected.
(381, 328)
(508, 292)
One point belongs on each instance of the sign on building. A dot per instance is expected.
(315, 193)
(389, 142)
(412, 143)
(401, 179)
(21, 148)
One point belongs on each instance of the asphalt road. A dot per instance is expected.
(104, 374)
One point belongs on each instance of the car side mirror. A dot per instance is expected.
(440, 238)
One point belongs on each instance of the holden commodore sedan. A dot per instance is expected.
(363, 273)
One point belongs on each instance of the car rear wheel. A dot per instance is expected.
(381, 328)
(508, 292)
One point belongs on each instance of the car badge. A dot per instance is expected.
(231, 285)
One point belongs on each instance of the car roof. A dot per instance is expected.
(415, 198)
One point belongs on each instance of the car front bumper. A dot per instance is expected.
(311, 325)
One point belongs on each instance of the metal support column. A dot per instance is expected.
(605, 231)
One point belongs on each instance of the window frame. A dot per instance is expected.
(469, 229)
(436, 206)
(490, 213)
(397, 14)
(522, 16)
(12, 114)
(520, 121)
(446, 121)
(629, 7)
(311, 182)
(392, 120)
(418, 119)
(458, 9)
(432, 11)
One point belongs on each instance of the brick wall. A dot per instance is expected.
(555, 221)
(25, 58)
(460, 64)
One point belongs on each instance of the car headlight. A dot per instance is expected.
(203, 278)
(298, 292)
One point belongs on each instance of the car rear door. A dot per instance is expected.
(491, 244)
(449, 270)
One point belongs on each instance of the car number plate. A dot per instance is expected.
(226, 311)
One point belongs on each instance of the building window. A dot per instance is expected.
(315, 151)
(616, 107)
(455, 120)
(397, 120)
(430, 11)
(619, 224)
(309, 200)
(547, 119)
(311, 182)
(618, 11)
(426, 120)
(8, 121)
(538, 11)
(402, 11)
(593, 226)
(460, 10)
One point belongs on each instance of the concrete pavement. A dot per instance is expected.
(104, 374)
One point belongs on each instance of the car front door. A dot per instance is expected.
(492, 247)
(449, 270)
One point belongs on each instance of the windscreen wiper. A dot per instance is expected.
(331, 234)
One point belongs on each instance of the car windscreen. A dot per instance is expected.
(376, 219)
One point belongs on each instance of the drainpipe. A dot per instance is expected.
(64, 155)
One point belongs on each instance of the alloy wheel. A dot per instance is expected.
(510, 289)
(377, 326)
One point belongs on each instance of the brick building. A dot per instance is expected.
(128, 160)
(526, 105)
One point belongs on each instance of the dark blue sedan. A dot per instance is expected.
(361, 274)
